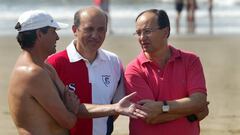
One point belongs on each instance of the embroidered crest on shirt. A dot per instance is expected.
(72, 87)
(106, 80)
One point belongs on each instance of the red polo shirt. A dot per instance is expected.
(182, 76)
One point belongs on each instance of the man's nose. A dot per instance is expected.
(94, 34)
(57, 37)
(143, 35)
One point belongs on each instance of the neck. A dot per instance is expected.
(160, 57)
(36, 56)
(87, 54)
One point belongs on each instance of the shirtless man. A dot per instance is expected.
(36, 94)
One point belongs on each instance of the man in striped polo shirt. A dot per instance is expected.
(96, 75)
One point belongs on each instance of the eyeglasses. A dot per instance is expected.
(146, 31)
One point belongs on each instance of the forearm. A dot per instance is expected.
(202, 114)
(165, 117)
(189, 105)
(95, 111)
(69, 122)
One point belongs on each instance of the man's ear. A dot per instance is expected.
(166, 32)
(74, 30)
(38, 33)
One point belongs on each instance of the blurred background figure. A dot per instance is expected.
(179, 4)
(104, 5)
(191, 7)
(210, 7)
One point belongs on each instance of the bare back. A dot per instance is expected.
(31, 99)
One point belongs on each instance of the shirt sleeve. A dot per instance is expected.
(120, 91)
(195, 77)
(135, 81)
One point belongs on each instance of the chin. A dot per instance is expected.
(145, 49)
(53, 51)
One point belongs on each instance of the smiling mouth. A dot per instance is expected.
(93, 41)
(145, 44)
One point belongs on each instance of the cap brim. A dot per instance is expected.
(59, 25)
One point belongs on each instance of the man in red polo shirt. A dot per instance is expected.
(169, 82)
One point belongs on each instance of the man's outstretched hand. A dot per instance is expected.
(128, 108)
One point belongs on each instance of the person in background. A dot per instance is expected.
(179, 4)
(94, 74)
(210, 7)
(104, 5)
(169, 82)
(191, 8)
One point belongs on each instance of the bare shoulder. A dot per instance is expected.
(30, 73)
(28, 77)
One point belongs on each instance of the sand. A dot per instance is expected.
(220, 58)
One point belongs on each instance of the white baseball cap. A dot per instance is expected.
(35, 19)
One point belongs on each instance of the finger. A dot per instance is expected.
(139, 111)
(148, 121)
(74, 98)
(141, 107)
(144, 101)
(74, 101)
(66, 88)
(68, 93)
(142, 112)
(73, 95)
(130, 95)
(77, 106)
(138, 115)
(64, 95)
(133, 116)
(131, 108)
(78, 100)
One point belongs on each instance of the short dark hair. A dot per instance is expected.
(26, 39)
(163, 20)
(76, 19)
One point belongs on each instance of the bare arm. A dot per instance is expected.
(189, 105)
(42, 88)
(194, 104)
(165, 117)
(123, 107)
(202, 114)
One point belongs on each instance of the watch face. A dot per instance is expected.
(165, 108)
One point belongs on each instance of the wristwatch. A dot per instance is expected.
(165, 107)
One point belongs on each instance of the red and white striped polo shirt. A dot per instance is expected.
(100, 82)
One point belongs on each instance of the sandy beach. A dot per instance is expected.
(220, 58)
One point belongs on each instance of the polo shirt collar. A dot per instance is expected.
(175, 54)
(74, 56)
